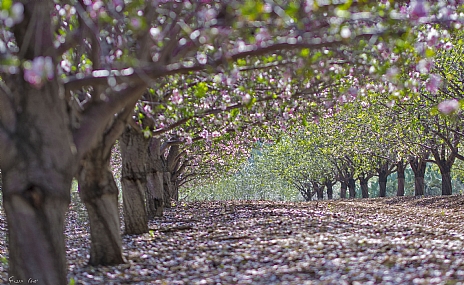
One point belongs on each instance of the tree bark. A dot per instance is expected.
(446, 186)
(38, 163)
(352, 187)
(134, 148)
(418, 166)
(329, 186)
(170, 169)
(155, 187)
(364, 187)
(419, 185)
(401, 179)
(383, 184)
(343, 187)
(99, 193)
(319, 190)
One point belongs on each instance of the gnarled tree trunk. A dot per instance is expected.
(99, 193)
(171, 165)
(343, 187)
(445, 171)
(418, 166)
(319, 189)
(352, 187)
(38, 163)
(329, 185)
(155, 187)
(444, 162)
(364, 187)
(401, 179)
(383, 183)
(134, 148)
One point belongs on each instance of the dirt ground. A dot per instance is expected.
(404, 240)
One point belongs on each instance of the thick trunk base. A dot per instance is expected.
(383, 187)
(446, 186)
(364, 190)
(419, 186)
(105, 236)
(352, 188)
(35, 235)
(167, 189)
(135, 215)
(155, 200)
(400, 191)
(343, 188)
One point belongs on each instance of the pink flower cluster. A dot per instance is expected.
(38, 71)
(448, 106)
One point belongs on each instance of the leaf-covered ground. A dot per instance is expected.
(369, 241)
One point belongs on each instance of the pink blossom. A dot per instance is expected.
(39, 70)
(263, 35)
(215, 134)
(204, 134)
(424, 66)
(136, 23)
(448, 106)
(118, 5)
(176, 98)
(448, 46)
(66, 65)
(432, 37)
(418, 9)
(353, 92)
(433, 83)
(246, 98)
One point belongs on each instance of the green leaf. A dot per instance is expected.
(304, 52)
(200, 90)
(234, 113)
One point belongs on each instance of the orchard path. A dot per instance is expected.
(363, 241)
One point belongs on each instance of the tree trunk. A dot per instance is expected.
(155, 187)
(352, 187)
(446, 186)
(99, 193)
(167, 186)
(364, 187)
(445, 171)
(38, 164)
(419, 185)
(171, 165)
(343, 187)
(319, 190)
(401, 179)
(382, 184)
(134, 148)
(418, 166)
(329, 186)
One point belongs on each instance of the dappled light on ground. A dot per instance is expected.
(364, 241)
